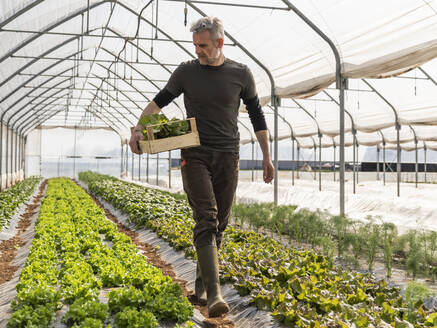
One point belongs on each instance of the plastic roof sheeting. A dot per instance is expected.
(59, 66)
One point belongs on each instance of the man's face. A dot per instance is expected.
(207, 50)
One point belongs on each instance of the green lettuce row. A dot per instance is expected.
(301, 288)
(73, 226)
(38, 295)
(13, 197)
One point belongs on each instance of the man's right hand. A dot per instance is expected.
(136, 136)
(136, 133)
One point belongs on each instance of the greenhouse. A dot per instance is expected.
(93, 234)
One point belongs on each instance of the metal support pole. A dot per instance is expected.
(398, 165)
(6, 157)
(147, 168)
(169, 169)
(11, 182)
(334, 162)
(377, 162)
(139, 167)
(253, 161)
(121, 161)
(353, 164)
(315, 160)
(24, 157)
(276, 158)
(127, 160)
(1, 155)
(298, 161)
(74, 157)
(19, 157)
(59, 163)
(16, 156)
(132, 166)
(357, 170)
(383, 160)
(9, 148)
(157, 169)
(417, 165)
(12, 158)
(424, 168)
(320, 162)
(40, 152)
(292, 161)
(340, 84)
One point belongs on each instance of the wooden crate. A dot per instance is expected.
(153, 146)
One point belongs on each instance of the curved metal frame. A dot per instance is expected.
(293, 139)
(398, 127)
(319, 135)
(341, 84)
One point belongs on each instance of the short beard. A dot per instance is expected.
(213, 60)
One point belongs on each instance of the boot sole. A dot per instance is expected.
(218, 309)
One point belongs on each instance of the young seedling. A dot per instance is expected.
(371, 234)
(389, 233)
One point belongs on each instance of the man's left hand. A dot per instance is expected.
(269, 170)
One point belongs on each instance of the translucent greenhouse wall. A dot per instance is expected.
(11, 158)
(33, 151)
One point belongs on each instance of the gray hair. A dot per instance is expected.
(211, 24)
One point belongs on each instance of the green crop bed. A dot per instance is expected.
(75, 253)
(300, 288)
(12, 198)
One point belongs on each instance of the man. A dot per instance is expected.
(212, 86)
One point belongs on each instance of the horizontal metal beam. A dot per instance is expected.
(82, 98)
(357, 90)
(408, 77)
(84, 77)
(48, 127)
(232, 4)
(100, 36)
(87, 104)
(312, 99)
(292, 107)
(88, 60)
(61, 123)
(72, 116)
(87, 89)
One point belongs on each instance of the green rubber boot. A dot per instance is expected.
(208, 261)
(199, 289)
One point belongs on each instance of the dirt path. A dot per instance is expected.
(8, 248)
(14, 253)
